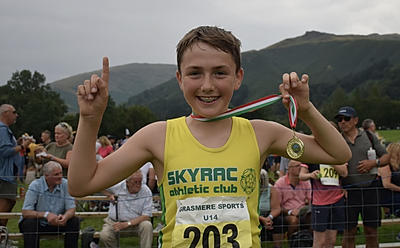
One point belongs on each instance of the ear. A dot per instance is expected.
(239, 79)
(179, 78)
(356, 120)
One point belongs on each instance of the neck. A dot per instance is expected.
(351, 135)
(294, 180)
(62, 143)
(5, 122)
(51, 187)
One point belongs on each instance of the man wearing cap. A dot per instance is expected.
(362, 188)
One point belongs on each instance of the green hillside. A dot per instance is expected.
(330, 61)
(325, 58)
(125, 81)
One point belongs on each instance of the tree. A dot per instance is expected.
(38, 107)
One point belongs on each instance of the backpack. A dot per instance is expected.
(87, 236)
(301, 238)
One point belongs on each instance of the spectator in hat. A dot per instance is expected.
(362, 188)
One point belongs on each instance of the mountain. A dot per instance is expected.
(125, 81)
(326, 58)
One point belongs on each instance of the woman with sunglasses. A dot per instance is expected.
(60, 150)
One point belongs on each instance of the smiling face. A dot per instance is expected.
(208, 79)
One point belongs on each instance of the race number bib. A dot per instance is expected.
(209, 222)
(329, 175)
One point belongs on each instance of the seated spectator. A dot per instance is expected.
(294, 196)
(48, 208)
(269, 206)
(390, 196)
(134, 212)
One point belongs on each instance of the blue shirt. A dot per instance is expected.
(39, 198)
(8, 157)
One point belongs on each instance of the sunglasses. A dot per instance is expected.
(63, 125)
(341, 118)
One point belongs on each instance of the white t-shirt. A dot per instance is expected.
(145, 171)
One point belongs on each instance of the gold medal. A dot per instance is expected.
(295, 147)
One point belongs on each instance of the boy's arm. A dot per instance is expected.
(85, 174)
(327, 144)
(341, 169)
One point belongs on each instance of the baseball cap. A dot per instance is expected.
(347, 111)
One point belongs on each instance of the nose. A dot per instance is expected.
(207, 84)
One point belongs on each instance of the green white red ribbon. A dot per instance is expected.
(253, 106)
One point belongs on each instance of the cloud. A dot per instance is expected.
(61, 39)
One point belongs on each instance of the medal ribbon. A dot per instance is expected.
(253, 106)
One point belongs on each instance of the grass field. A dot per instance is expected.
(390, 135)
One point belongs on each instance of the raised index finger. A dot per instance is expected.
(105, 73)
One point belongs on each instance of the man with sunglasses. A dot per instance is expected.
(361, 184)
(129, 214)
(9, 159)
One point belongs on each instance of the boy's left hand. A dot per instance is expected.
(298, 89)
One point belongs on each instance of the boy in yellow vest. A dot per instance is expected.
(208, 172)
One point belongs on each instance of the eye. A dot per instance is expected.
(220, 74)
(194, 73)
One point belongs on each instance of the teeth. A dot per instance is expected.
(208, 99)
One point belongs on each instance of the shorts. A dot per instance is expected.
(8, 190)
(281, 225)
(364, 201)
(328, 217)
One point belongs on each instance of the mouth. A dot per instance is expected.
(207, 99)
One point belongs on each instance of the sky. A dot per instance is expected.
(63, 38)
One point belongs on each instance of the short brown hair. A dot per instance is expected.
(216, 37)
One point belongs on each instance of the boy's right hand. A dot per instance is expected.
(93, 94)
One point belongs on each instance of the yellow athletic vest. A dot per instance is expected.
(210, 196)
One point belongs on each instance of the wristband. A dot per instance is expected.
(45, 215)
(270, 216)
(289, 212)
